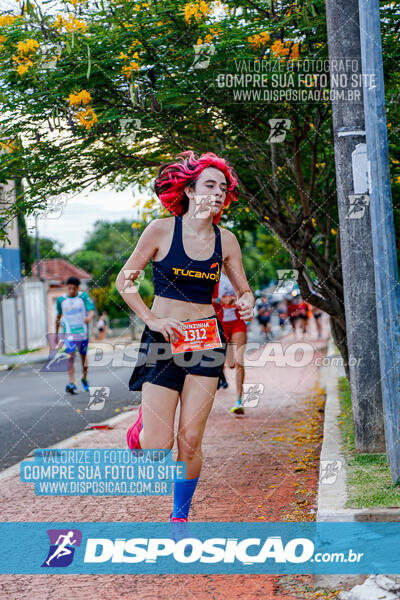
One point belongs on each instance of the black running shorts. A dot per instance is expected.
(158, 365)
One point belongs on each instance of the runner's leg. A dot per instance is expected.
(304, 325)
(239, 339)
(196, 401)
(158, 409)
(71, 367)
(84, 366)
(230, 354)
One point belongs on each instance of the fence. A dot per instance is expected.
(23, 316)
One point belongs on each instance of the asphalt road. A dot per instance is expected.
(35, 411)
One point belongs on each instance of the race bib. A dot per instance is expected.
(197, 335)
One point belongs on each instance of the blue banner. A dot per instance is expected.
(192, 548)
(10, 265)
(102, 472)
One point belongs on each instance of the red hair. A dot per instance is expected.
(172, 178)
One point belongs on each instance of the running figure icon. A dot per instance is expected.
(62, 549)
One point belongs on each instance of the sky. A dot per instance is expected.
(80, 213)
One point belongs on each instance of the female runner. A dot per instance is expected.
(187, 251)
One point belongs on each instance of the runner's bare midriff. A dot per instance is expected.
(178, 309)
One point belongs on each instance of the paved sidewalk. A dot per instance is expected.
(262, 466)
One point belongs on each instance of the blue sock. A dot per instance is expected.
(183, 494)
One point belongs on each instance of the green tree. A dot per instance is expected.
(49, 248)
(104, 253)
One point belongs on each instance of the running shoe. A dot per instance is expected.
(71, 388)
(222, 382)
(177, 519)
(133, 432)
(180, 531)
(238, 408)
(85, 384)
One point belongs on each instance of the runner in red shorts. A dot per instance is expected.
(235, 330)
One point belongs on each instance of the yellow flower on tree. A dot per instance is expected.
(279, 49)
(295, 51)
(127, 69)
(23, 60)
(8, 146)
(87, 117)
(58, 23)
(82, 97)
(73, 24)
(7, 20)
(198, 10)
(258, 39)
(26, 50)
(22, 69)
(27, 47)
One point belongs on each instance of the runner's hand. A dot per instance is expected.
(167, 326)
(245, 308)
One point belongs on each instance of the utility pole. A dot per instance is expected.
(355, 224)
(37, 248)
(382, 223)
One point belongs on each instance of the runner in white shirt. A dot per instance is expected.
(75, 310)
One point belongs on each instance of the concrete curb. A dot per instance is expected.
(332, 497)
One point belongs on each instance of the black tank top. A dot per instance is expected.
(180, 277)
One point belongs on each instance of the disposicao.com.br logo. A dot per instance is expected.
(190, 550)
(197, 547)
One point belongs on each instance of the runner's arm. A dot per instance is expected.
(89, 316)
(59, 313)
(89, 307)
(235, 272)
(58, 320)
(144, 251)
